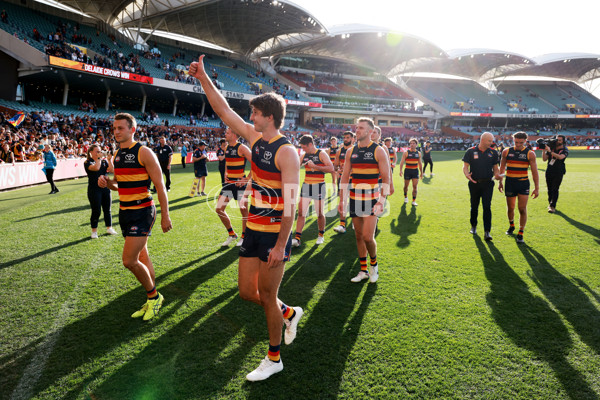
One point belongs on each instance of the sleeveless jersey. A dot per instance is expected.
(517, 163)
(266, 203)
(412, 159)
(392, 152)
(332, 152)
(365, 173)
(234, 163)
(342, 159)
(132, 178)
(312, 175)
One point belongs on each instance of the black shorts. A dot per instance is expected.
(137, 222)
(411, 174)
(514, 187)
(231, 191)
(200, 172)
(361, 208)
(314, 191)
(259, 244)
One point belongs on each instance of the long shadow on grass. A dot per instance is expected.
(57, 212)
(86, 345)
(585, 286)
(567, 298)
(205, 357)
(529, 321)
(581, 226)
(405, 225)
(43, 252)
(316, 361)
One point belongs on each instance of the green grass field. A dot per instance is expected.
(451, 317)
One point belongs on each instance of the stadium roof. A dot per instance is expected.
(273, 28)
(578, 67)
(238, 25)
(370, 46)
(476, 64)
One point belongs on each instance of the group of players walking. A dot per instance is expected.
(362, 176)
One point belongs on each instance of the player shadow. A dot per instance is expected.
(329, 332)
(427, 180)
(529, 322)
(43, 252)
(405, 225)
(57, 212)
(102, 332)
(586, 287)
(581, 226)
(574, 305)
(203, 358)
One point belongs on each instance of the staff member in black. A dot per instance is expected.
(480, 166)
(555, 170)
(427, 158)
(221, 156)
(100, 199)
(164, 152)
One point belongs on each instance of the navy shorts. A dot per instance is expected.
(411, 174)
(314, 191)
(259, 244)
(361, 208)
(231, 191)
(200, 172)
(138, 222)
(514, 187)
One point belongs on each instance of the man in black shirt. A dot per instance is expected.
(221, 157)
(555, 170)
(480, 166)
(164, 152)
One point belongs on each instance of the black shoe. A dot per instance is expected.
(520, 239)
(473, 230)
(510, 230)
(52, 192)
(487, 237)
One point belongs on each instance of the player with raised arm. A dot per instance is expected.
(267, 244)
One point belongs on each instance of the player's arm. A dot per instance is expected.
(202, 155)
(420, 167)
(150, 162)
(220, 105)
(327, 167)
(534, 174)
(383, 161)
(170, 158)
(245, 152)
(503, 161)
(402, 161)
(395, 157)
(288, 163)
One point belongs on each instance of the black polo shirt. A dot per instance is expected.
(481, 164)
(163, 153)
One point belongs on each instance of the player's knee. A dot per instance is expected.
(367, 237)
(522, 210)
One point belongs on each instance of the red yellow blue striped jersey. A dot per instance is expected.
(392, 152)
(332, 152)
(266, 203)
(517, 163)
(235, 163)
(412, 159)
(342, 155)
(132, 179)
(313, 175)
(364, 172)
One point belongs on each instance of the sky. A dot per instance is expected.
(527, 27)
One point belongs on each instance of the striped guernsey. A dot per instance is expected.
(365, 172)
(235, 163)
(313, 175)
(517, 163)
(132, 179)
(266, 204)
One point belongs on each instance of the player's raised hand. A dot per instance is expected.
(197, 67)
